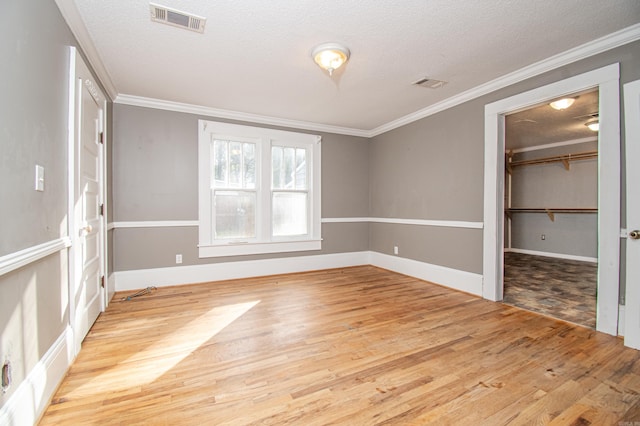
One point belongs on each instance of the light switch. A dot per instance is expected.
(39, 178)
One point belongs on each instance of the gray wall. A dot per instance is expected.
(33, 123)
(155, 177)
(569, 234)
(430, 169)
(433, 169)
(34, 70)
(551, 185)
(33, 314)
(33, 130)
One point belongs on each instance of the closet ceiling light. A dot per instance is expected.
(593, 125)
(561, 104)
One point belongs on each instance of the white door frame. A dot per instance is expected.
(632, 153)
(606, 79)
(76, 61)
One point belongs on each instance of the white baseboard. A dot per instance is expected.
(162, 277)
(32, 396)
(555, 255)
(448, 277)
(175, 275)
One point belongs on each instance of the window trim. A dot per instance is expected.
(264, 241)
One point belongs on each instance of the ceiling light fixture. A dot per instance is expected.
(561, 104)
(593, 125)
(330, 56)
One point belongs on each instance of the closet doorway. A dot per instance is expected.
(607, 80)
(551, 208)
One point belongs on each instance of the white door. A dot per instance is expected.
(632, 144)
(87, 224)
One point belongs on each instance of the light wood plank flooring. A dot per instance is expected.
(354, 346)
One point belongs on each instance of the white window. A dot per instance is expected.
(259, 190)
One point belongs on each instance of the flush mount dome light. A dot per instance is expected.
(330, 56)
(593, 125)
(561, 104)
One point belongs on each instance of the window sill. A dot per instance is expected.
(242, 249)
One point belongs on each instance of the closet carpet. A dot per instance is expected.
(563, 289)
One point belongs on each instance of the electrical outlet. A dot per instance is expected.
(395, 249)
(178, 258)
(543, 237)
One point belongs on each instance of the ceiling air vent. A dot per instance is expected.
(429, 83)
(587, 116)
(177, 18)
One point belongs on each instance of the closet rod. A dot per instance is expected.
(557, 158)
(550, 211)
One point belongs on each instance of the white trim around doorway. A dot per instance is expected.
(607, 80)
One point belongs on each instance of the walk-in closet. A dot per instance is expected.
(551, 214)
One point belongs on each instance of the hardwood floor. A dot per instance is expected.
(353, 346)
(561, 288)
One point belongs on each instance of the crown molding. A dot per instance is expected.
(586, 50)
(73, 19)
(235, 115)
(608, 42)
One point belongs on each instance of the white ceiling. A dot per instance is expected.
(254, 55)
(542, 125)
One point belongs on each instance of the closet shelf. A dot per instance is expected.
(564, 159)
(550, 211)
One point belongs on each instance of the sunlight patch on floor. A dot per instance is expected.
(160, 357)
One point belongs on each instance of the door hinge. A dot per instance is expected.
(102, 137)
(101, 209)
(102, 281)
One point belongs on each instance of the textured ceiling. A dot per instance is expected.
(543, 125)
(254, 55)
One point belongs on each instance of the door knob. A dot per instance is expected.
(86, 230)
(634, 235)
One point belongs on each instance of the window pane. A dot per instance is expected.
(235, 214)
(235, 164)
(249, 154)
(220, 163)
(277, 171)
(289, 166)
(289, 214)
(301, 169)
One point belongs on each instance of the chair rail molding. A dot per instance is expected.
(18, 259)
